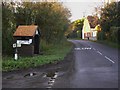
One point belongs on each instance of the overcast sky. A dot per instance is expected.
(81, 7)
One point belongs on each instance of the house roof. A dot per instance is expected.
(25, 30)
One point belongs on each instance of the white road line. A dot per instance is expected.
(99, 52)
(109, 59)
(82, 48)
(77, 49)
(89, 48)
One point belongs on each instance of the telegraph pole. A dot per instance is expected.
(84, 14)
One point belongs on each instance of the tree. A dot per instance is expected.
(110, 21)
(8, 27)
(51, 17)
(110, 16)
(75, 29)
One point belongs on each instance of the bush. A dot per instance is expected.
(101, 35)
(114, 34)
(8, 27)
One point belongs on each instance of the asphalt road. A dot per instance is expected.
(95, 66)
(89, 65)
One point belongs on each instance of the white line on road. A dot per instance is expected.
(77, 49)
(83, 48)
(99, 52)
(109, 59)
(89, 48)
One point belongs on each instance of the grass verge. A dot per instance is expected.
(52, 53)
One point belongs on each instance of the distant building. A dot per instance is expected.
(90, 32)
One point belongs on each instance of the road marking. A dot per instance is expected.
(77, 49)
(82, 48)
(99, 52)
(89, 48)
(109, 59)
(85, 48)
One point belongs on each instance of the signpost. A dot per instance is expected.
(18, 45)
(16, 54)
(16, 51)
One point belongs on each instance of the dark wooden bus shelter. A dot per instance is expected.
(27, 40)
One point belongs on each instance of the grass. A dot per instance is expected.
(52, 53)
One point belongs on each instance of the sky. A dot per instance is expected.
(81, 8)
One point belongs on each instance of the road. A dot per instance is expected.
(96, 66)
(93, 66)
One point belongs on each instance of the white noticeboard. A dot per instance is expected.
(18, 45)
(19, 42)
(24, 41)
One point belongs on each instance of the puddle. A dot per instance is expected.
(51, 74)
(10, 77)
(30, 74)
(50, 83)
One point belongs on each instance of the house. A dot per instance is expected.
(27, 40)
(89, 32)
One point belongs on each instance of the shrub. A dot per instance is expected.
(101, 35)
(114, 34)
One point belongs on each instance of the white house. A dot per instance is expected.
(89, 33)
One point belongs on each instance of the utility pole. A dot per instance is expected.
(84, 14)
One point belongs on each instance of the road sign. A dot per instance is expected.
(14, 45)
(18, 44)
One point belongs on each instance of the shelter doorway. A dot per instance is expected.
(36, 44)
